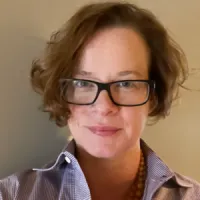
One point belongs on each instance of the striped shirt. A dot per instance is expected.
(63, 179)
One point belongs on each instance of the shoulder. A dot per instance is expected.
(44, 183)
(185, 180)
(31, 184)
(192, 186)
(10, 186)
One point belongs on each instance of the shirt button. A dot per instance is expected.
(67, 160)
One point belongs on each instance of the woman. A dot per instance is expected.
(107, 71)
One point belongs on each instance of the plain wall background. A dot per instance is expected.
(28, 139)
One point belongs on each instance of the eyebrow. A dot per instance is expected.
(84, 73)
(129, 72)
(122, 73)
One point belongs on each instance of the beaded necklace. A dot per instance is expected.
(137, 188)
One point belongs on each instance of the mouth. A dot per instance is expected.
(103, 130)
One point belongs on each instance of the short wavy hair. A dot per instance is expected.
(168, 66)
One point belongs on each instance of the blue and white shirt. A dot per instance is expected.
(63, 179)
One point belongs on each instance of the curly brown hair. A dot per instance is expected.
(168, 65)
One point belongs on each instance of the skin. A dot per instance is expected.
(110, 163)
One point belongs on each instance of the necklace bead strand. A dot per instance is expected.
(137, 188)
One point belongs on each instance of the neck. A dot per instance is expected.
(113, 175)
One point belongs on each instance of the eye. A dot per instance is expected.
(82, 84)
(126, 84)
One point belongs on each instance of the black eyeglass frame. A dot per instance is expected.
(106, 86)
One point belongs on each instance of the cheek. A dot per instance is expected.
(74, 121)
(135, 118)
(78, 114)
(74, 110)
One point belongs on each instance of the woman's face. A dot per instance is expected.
(112, 55)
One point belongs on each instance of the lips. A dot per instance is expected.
(103, 130)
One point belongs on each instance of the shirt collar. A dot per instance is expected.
(157, 170)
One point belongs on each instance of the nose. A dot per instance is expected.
(104, 105)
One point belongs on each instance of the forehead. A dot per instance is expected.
(112, 51)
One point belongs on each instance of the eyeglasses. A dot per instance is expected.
(121, 93)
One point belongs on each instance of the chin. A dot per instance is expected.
(106, 151)
(104, 155)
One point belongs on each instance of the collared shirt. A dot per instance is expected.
(64, 180)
